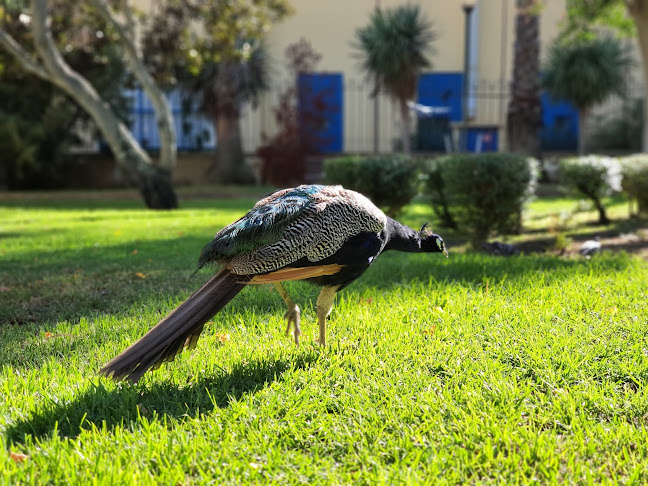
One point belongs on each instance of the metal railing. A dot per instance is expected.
(370, 123)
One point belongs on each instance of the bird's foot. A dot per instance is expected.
(293, 317)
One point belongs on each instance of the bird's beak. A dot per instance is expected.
(445, 252)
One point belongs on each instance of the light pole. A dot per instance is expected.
(376, 127)
(468, 6)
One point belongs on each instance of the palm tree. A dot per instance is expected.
(585, 72)
(222, 89)
(524, 117)
(393, 49)
(214, 51)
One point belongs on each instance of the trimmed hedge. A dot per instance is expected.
(635, 180)
(594, 176)
(388, 180)
(435, 190)
(481, 193)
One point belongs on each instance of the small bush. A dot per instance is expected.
(482, 193)
(388, 180)
(433, 187)
(635, 179)
(622, 131)
(594, 176)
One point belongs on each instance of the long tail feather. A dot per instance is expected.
(176, 331)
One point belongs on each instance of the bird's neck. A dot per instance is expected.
(402, 238)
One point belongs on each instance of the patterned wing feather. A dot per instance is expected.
(263, 225)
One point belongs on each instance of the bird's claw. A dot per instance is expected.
(293, 317)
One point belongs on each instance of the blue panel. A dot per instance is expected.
(320, 111)
(193, 131)
(442, 90)
(482, 139)
(559, 124)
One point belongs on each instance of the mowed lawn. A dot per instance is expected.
(463, 370)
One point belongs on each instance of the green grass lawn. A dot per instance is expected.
(461, 370)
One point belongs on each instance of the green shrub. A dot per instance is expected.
(623, 131)
(594, 176)
(433, 187)
(635, 179)
(388, 180)
(482, 193)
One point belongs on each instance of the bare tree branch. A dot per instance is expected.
(130, 22)
(133, 57)
(26, 60)
(49, 64)
(117, 134)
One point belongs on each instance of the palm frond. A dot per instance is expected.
(395, 47)
(587, 71)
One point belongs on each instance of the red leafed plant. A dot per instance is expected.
(283, 155)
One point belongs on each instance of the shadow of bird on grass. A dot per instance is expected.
(123, 406)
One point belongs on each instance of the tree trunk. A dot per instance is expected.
(229, 166)
(156, 188)
(638, 10)
(405, 126)
(582, 130)
(524, 117)
(155, 185)
(603, 219)
(133, 58)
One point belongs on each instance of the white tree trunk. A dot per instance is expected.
(638, 10)
(155, 184)
(77, 87)
(133, 57)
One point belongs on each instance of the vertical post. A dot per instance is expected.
(376, 127)
(468, 6)
(501, 119)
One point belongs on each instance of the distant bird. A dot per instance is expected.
(500, 249)
(590, 247)
(326, 235)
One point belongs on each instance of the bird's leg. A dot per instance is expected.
(292, 315)
(324, 306)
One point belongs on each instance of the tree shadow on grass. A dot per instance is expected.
(58, 285)
(124, 405)
(204, 200)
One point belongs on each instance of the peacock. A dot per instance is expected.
(325, 235)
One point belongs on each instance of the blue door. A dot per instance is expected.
(559, 124)
(442, 90)
(320, 111)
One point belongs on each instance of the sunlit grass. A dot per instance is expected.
(470, 369)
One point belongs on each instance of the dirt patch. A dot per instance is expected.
(635, 243)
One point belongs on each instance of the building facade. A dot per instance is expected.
(359, 122)
(364, 124)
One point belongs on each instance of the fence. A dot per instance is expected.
(371, 123)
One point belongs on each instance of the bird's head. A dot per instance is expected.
(430, 242)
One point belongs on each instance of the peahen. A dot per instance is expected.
(590, 247)
(325, 235)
